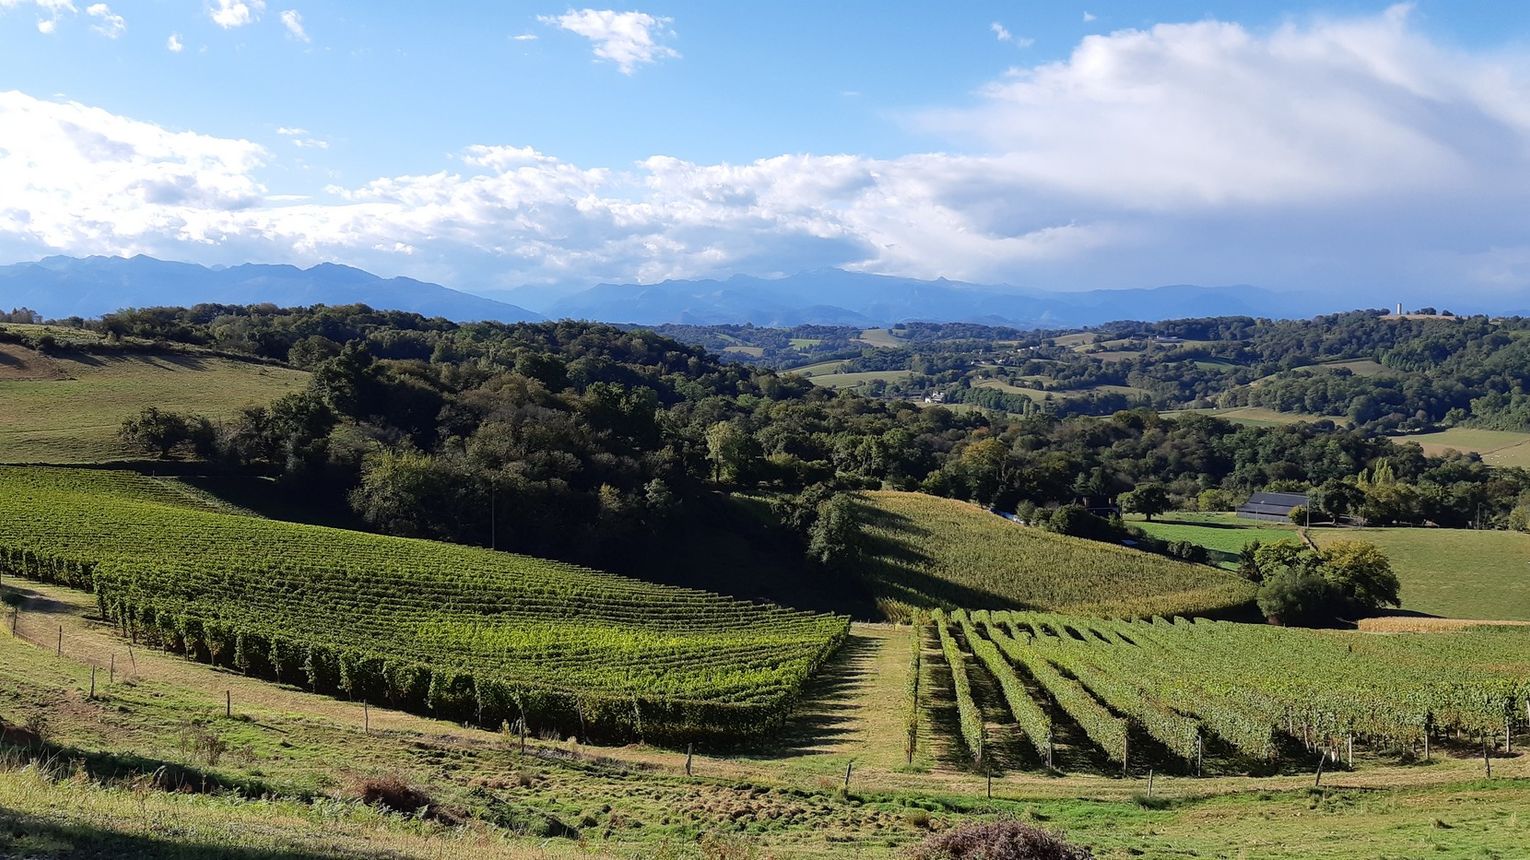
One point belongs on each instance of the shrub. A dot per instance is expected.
(998, 840)
(392, 793)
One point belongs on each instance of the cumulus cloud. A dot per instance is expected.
(48, 11)
(628, 39)
(174, 44)
(108, 23)
(229, 14)
(1089, 16)
(293, 21)
(1003, 34)
(1336, 153)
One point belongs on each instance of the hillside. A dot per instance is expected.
(66, 407)
(464, 633)
(923, 551)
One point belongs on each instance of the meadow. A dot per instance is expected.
(457, 631)
(852, 380)
(1497, 447)
(1456, 573)
(923, 551)
(1222, 534)
(70, 409)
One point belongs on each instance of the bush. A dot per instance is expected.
(391, 793)
(998, 840)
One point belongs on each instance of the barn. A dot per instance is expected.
(1272, 507)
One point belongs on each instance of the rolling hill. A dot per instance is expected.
(924, 551)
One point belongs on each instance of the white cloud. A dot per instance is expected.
(628, 39)
(524, 37)
(301, 138)
(229, 14)
(108, 23)
(1333, 153)
(1004, 35)
(293, 21)
(48, 11)
(1089, 16)
(174, 44)
(46, 25)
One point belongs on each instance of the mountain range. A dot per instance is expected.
(59, 287)
(69, 286)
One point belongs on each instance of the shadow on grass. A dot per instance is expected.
(23, 835)
(824, 714)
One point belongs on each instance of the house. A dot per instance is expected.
(1100, 506)
(1272, 507)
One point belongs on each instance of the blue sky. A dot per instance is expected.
(1056, 145)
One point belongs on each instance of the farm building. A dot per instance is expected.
(1272, 507)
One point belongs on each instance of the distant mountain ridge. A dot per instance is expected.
(838, 297)
(71, 286)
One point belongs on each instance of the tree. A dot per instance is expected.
(728, 448)
(832, 539)
(1298, 515)
(1337, 498)
(1361, 574)
(1295, 595)
(1145, 499)
(156, 431)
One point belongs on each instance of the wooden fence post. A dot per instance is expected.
(60, 651)
(1487, 762)
(92, 682)
(1150, 783)
(689, 749)
(1318, 782)
(850, 764)
(228, 703)
(366, 719)
(111, 678)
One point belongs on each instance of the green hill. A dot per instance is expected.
(66, 406)
(924, 551)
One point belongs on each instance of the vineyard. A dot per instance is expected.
(463, 633)
(924, 552)
(1174, 693)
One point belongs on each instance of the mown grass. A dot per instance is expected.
(881, 337)
(1456, 573)
(75, 418)
(1497, 447)
(851, 380)
(923, 551)
(1222, 534)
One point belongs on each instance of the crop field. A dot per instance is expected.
(1175, 695)
(70, 409)
(1497, 447)
(1222, 534)
(924, 551)
(1456, 573)
(460, 632)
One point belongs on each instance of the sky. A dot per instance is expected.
(1379, 149)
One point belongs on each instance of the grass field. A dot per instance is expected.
(924, 551)
(72, 413)
(1256, 416)
(1358, 366)
(1456, 573)
(881, 337)
(1497, 447)
(851, 380)
(821, 368)
(751, 351)
(1223, 534)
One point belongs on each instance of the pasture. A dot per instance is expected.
(1456, 573)
(68, 407)
(1222, 534)
(852, 380)
(1497, 447)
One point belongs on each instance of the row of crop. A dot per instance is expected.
(915, 670)
(452, 692)
(1036, 725)
(969, 718)
(1105, 730)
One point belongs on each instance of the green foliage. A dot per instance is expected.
(1146, 499)
(1302, 586)
(968, 717)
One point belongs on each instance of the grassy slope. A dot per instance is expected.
(74, 418)
(1457, 573)
(1224, 534)
(1498, 447)
(927, 551)
(851, 380)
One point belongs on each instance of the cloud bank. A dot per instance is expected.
(1352, 153)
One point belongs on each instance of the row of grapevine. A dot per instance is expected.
(969, 717)
(1035, 724)
(464, 633)
(916, 667)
